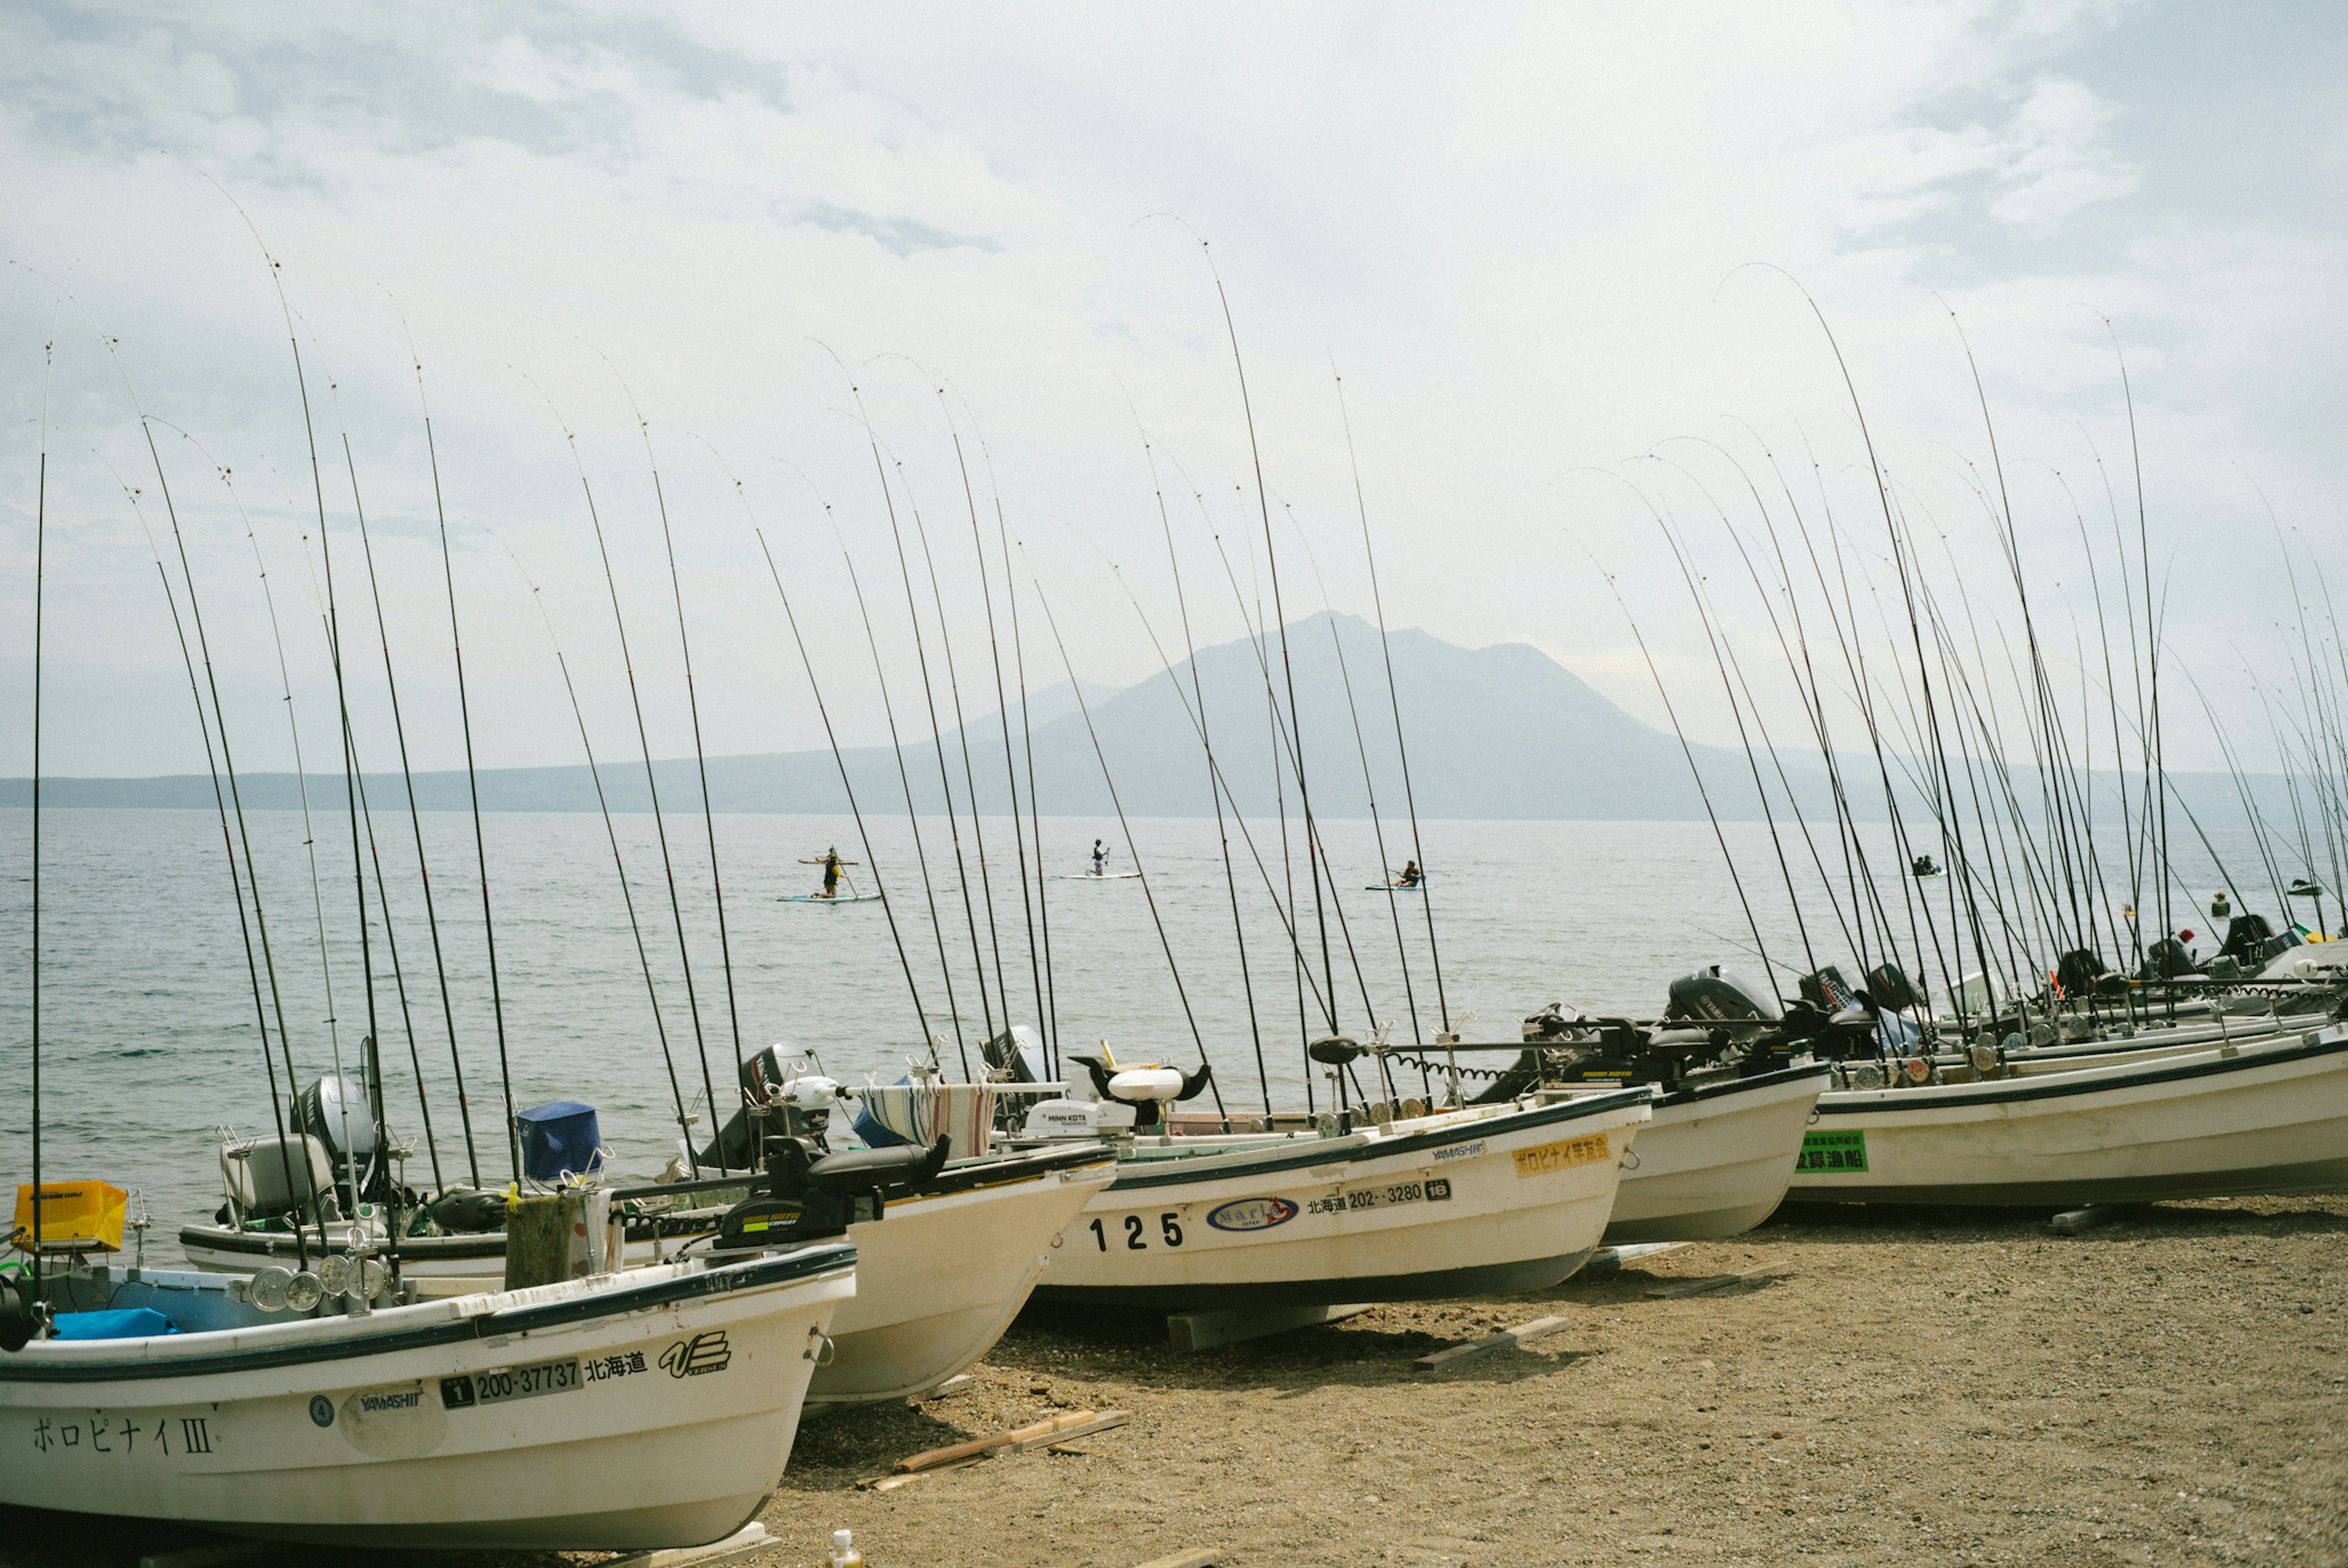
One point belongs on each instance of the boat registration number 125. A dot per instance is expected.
(507, 1383)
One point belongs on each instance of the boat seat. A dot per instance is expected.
(274, 1174)
(1336, 1050)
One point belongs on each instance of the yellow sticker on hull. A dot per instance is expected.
(1549, 1157)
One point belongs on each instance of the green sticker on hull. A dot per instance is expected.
(1834, 1154)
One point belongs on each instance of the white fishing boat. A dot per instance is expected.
(2268, 1116)
(948, 1254)
(1482, 1199)
(618, 1412)
(1715, 1159)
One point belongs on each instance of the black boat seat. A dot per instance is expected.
(862, 1170)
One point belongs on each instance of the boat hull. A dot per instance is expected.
(1717, 1162)
(939, 1276)
(1455, 1204)
(2264, 1118)
(603, 1414)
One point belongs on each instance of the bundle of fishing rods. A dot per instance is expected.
(994, 929)
(1976, 787)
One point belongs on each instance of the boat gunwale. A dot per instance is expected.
(2118, 1076)
(1179, 1170)
(136, 1359)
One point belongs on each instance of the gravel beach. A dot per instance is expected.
(1930, 1387)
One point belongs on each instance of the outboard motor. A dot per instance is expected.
(1019, 1051)
(1718, 994)
(2166, 960)
(811, 1194)
(764, 1079)
(2249, 940)
(1892, 988)
(335, 1111)
(2077, 970)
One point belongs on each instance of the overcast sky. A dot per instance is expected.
(1521, 234)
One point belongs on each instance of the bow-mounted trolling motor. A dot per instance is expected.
(1148, 1090)
(811, 1194)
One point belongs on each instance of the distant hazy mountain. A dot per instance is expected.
(1503, 731)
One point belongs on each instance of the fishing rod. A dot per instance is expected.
(652, 786)
(905, 783)
(1812, 709)
(1215, 776)
(1280, 615)
(937, 730)
(1686, 752)
(473, 789)
(227, 803)
(1132, 849)
(1377, 828)
(1393, 700)
(40, 628)
(969, 779)
(1214, 796)
(1049, 1003)
(1723, 655)
(953, 688)
(619, 864)
(1037, 965)
(293, 731)
(416, 824)
(872, 855)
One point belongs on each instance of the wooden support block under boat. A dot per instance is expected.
(1206, 1330)
(1719, 1281)
(1520, 1334)
(751, 1537)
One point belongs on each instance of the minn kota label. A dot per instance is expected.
(1833, 1153)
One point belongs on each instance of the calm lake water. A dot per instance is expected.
(149, 1023)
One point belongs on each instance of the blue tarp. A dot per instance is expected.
(130, 1323)
(558, 1137)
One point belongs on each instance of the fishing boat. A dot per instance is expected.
(1474, 1200)
(949, 1253)
(2268, 1116)
(650, 1409)
(1734, 1088)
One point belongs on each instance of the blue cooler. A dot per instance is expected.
(559, 1138)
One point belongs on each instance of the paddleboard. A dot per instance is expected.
(1394, 888)
(1105, 876)
(819, 898)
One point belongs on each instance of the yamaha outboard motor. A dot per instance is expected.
(335, 1111)
(1718, 994)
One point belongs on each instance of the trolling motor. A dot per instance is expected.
(811, 1194)
(1148, 1090)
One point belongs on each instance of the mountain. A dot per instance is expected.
(1500, 733)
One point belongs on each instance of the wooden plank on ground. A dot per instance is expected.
(1489, 1343)
(1718, 1281)
(1047, 1429)
(1205, 1330)
(1197, 1557)
(1100, 1423)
